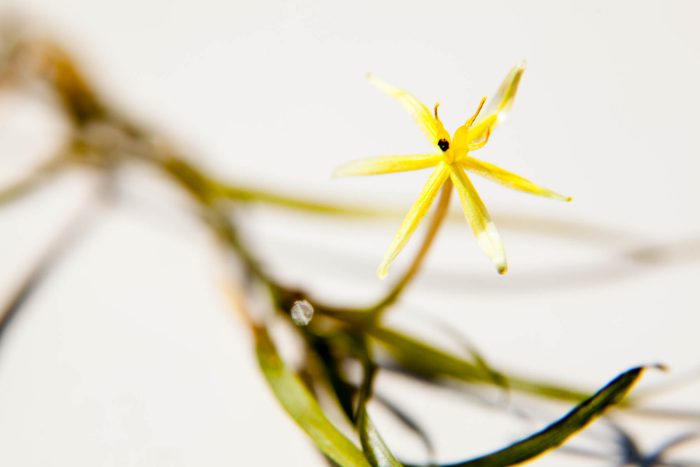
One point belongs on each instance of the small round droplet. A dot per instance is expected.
(302, 312)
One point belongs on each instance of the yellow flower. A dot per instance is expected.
(450, 166)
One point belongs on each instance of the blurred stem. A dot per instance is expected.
(58, 247)
(247, 194)
(369, 369)
(32, 180)
(380, 307)
(205, 192)
(127, 139)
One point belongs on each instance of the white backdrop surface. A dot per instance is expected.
(129, 356)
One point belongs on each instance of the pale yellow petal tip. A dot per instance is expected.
(383, 271)
(349, 169)
(558, 196)
(564, 198)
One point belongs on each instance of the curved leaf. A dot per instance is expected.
(407, 421)
(373, 445)
(431, 362)
(558, 432)
(302, 407)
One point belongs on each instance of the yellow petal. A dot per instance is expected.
(509, 179)
(387, 164)
(499, 105)
(431, 126)
(479, 219)
(414, 216)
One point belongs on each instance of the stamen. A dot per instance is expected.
(436, 111)
(476, 114)
(482, 143)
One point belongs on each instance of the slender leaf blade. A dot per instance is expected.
(374, 446)
(432, 362)
(558, 432)
(423, 358)
(408, 423)
(302, 407)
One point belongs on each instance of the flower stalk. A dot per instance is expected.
(338, 337)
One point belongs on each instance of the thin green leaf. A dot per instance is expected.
(423, 358)
(480, 361)
(558, 432)
(375, 448)
(302, 407)
(342, 390)
(408, 422)
(373, 445)
(433, 363)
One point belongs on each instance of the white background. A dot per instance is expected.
(129, 356)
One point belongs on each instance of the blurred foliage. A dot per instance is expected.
(339, 337)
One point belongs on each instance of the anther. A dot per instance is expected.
(476, 114)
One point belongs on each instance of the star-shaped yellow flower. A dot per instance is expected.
(451, 164)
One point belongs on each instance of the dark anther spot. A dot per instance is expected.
(444, 145)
